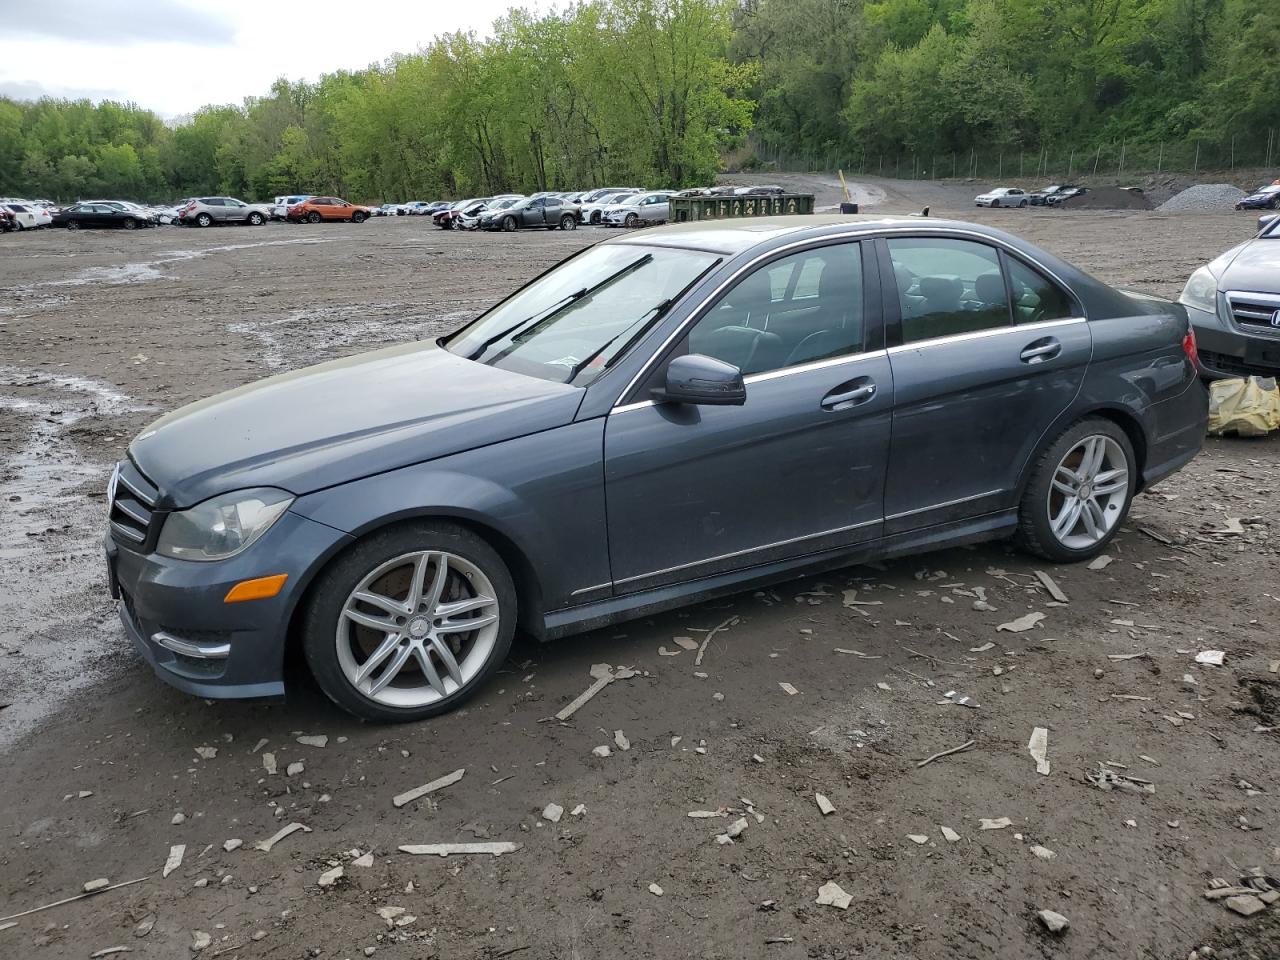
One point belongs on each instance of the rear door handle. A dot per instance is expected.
(850, 394)
(1041, 350)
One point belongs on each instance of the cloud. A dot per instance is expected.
(28, 90)
(117, 22)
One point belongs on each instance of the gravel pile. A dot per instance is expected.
(1203, 196)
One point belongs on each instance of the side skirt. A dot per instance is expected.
(602, 613)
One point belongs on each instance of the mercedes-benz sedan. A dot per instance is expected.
(665, 417)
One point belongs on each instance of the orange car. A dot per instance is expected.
(315, 209)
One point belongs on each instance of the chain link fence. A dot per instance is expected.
(1122, 160)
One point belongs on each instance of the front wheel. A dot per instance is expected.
(131, 224)
(357, 217)
(509, 224)
(73, 225)
(410, 622)
(632, 220)
(1079, 493)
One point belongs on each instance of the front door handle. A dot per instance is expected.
(1041, 350)
(850, 394)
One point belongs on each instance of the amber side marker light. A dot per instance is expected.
(257, 589)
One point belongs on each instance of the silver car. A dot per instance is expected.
(642, 208)
(206, 211)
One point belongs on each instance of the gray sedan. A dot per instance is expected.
(666, 417)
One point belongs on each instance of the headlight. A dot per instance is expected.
(1201, 291)
(222, 526)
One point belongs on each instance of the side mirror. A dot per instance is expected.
(699, 379)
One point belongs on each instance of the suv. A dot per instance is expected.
(280, 209)
(1234, 305)
(315, 209)
(206, 211)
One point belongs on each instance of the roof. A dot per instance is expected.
(735, 236)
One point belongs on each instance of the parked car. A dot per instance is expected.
(445, 218)
(1063, 195)
(471, 221)
(1042, 197)
(1234, 303)
(316, 209)
(206, 211)
(1264, 198)
(665, 417)
(101, 214)
(1001, 197)
(24, 217)
(639, 209)
(280, 206)
(547, 211)
(590, 211)
(8, 223)
(389, 210)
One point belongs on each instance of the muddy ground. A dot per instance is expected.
(101, 331)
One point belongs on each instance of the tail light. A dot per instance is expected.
(1190, 349)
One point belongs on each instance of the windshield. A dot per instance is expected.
(573, 323)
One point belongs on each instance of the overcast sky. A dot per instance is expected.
(173, 56)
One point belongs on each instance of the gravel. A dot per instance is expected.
(1203, 196)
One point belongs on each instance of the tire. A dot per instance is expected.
(256, 219)
(509, 224)
(1022, 204)
(73, 224)
(595, 218)
(1045, 501)
(337, 647)
(632, 220)
(313, 217)
(995, 203)
(568, 222)
(130, 224)
(204, 220)
(357, 217)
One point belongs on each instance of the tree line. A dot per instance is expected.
(654, 92)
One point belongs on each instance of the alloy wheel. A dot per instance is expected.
(1088, 492)
(417, 629)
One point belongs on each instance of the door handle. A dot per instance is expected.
(1041, 350)
(859, 391)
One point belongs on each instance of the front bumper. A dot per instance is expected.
(174, 613)
(1226, 351)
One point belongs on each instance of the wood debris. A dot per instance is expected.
(448, 780)
(968, 745)
(174, 860)
(1053, 589)
(604, 675)
(831, 894)
(495, 848)
(824, 805)
(702, 647)
(316, 741)
(788, 689)
(1023, 623)
(78, 896)
(998, 823)
(1038, 747)
(266, 845)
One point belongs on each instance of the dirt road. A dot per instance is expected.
(99, 332)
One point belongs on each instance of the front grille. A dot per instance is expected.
(1224, 363)
(133, 503)
(1256, 312)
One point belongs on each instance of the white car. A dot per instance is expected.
(23, 216)
(1002, 197)
(590, 211)
(652, 206)
(280, 205)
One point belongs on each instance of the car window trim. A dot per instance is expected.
(870, 279)
(981, 334)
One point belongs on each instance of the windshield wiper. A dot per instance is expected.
(538, 320)
(658, 310)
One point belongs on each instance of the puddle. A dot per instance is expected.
(324, 333)
(58, 620)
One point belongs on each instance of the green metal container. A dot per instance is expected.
(684, 209)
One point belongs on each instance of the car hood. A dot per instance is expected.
(339, 421)
(1255, 266)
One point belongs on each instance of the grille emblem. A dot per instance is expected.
(1275, 319)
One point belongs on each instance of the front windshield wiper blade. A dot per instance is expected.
(658, 310)
(558, 305)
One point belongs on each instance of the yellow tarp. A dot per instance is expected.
(1249, 407)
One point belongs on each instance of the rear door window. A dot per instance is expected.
(1035, 296)
(947, 287)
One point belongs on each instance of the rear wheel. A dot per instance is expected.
(410, 622)
(1022, 204)
(204, 220)
(1079, 493)
(256, 219)
(313, 217)
(568, 222)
